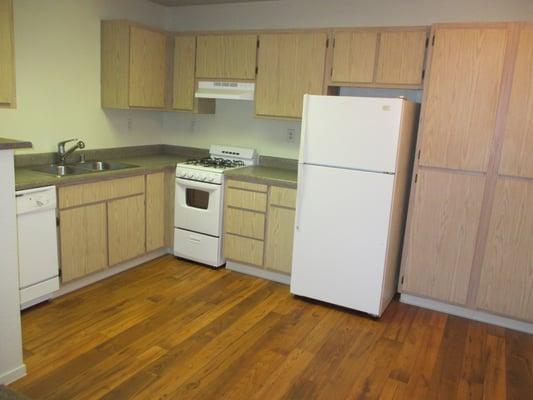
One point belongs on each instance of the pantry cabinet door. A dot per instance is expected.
(226, 56)
(441, 235)
(155, 211)
(462, 95)
(83, 240)
(289, 66)
(401, 57)
(126, 228)
(517, 156)
(7, 64)
(148, 62)
(506, 280)
(183, 76)
(354, 56)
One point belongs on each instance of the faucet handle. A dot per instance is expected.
(63, 142)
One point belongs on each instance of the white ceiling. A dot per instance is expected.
(178, 3)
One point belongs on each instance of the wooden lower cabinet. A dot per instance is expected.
(83, 241)
(506, 280)
(246, 250)
(278, 253)
(126, 228)
(155, 211)
(262, 238)
(441, 235)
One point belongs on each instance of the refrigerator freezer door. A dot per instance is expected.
(341, 229)
(351, 132)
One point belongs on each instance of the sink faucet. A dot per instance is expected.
(62, 153)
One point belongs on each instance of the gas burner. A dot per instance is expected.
(216, 162)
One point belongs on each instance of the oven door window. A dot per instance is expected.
(196, 198)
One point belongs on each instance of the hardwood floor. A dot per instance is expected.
(175, 330)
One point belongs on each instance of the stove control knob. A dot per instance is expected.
(211, 179)
(193, 176)
(186, 175)
(204, 178)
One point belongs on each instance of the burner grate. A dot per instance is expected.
(216, 162)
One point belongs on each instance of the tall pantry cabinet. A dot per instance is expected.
(469, 235)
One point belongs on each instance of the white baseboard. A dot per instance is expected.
(259, 272)
(98, 276)
(467, 313)
(13, 375)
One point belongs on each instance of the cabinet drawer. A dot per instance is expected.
(244, 199)
(244, 223)
(249, 251)
(283, 197)
(76, 195)
(256, 187)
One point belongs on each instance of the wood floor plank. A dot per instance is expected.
(177, 330)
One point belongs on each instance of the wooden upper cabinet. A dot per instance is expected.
(147, 67)
(374, 57)
(7, 61)
(461, 97)
(441, 235)
(354, 56)
(226, 56)
(134, 63)
(183, 75)
(517, 156)
(289, 66)
(401, 57)
(506, 280)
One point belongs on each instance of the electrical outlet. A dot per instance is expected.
(291, 135)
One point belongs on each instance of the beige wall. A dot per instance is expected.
(233, 123)
(57, 51)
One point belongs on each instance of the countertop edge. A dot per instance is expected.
(263, 179)
(8, 144)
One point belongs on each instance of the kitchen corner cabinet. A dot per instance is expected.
(7, 55)
(259, 225)
(289, 66)
(226, 56)
(469, 235)
(379, 57)
(183, 78)
(134, 65)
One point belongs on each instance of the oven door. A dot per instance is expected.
(198, 207)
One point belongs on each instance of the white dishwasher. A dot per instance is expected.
(37, 245)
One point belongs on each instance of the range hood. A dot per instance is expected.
(225, 90)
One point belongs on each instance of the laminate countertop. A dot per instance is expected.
(26, 178)
(7, 144)
(268, 175)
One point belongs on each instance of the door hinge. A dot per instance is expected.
(416, 177)
(433, 40)
(423, 74)
(256, 70)
(327, 43)
(418, 156)
(401, 280)
(57, 221)
(331, 72)
(427, 42)
(257, 43)
(333, 42)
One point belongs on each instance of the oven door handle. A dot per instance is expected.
(208, 187)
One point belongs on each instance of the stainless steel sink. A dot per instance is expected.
(60, 170)
(104, 165)
(82, 168)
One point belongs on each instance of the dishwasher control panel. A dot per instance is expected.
(36, 199)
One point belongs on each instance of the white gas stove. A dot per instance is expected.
(199, 203)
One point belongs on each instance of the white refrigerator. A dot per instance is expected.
(353, 180)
